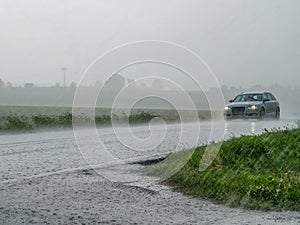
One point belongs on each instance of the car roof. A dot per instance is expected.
(254, 92)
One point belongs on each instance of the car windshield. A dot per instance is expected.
(248, 98)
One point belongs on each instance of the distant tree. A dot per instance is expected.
(57, 85)
(9, 84)
(2, 84)
(157, 84)
(115, 82)
(73, 85)
(143, 85)
(29, 85)
(132, 83)
(110, 89)
(98, 84)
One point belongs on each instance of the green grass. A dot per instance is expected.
(25, 118)
(257, 172)
(167, 114)
(16, 122)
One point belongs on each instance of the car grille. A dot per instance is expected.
(238, 111)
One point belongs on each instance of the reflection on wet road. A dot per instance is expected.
(60, 188)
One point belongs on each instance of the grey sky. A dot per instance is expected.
(245, 42)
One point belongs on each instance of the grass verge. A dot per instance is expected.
(256, 172)
(14, 122)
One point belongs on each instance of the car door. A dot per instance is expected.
(272, 103)
(267, 103)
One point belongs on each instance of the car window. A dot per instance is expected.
(272, 97)
(254, 97)
(248, 98)
(269, 96)
(239, 98)
(265, 97)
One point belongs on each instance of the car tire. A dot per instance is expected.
(262, 114)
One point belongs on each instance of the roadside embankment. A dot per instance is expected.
(254, 171)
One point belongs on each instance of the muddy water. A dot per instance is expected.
(44, 178)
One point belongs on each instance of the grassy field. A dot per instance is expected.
(257, 172)
(21, 122)
(56, 110)
(20, 118)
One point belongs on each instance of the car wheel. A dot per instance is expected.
(277, 114)
(262, 114)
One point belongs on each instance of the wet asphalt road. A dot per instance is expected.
(46, 178)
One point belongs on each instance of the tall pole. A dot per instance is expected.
(64, 69)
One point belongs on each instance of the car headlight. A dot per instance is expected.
(253, 107)
(227, 108)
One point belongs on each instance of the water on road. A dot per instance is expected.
(45, 177)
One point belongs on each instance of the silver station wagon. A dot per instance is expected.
(252, 105)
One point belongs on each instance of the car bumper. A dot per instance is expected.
(247, 114)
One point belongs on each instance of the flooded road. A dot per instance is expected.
(46, 178)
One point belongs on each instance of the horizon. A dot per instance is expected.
(243, 42)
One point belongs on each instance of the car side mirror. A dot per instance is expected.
(231, 100)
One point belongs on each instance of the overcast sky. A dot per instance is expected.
(245, 42)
